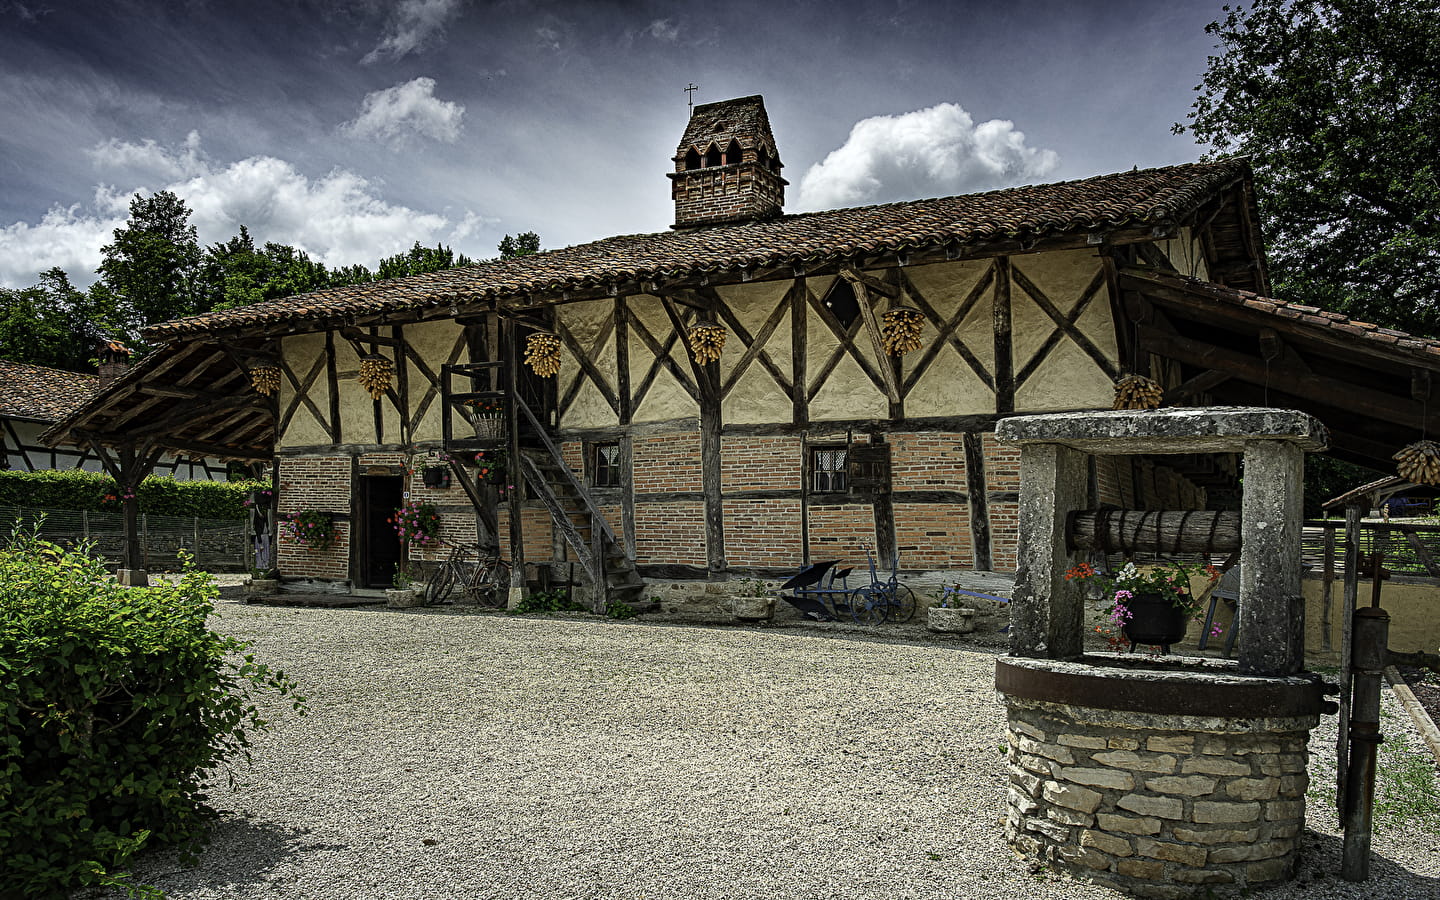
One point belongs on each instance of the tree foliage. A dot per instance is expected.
(52, 323)
(420, 260)
(152, 269)
(525, 243)
(1337, 103)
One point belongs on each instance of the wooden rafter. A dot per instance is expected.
(845, 345)
(889, 383)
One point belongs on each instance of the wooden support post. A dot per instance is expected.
(1004, 353)
(977, 495)
(799, 312)
(517, 474)
(1328, 587)
(1353, 513)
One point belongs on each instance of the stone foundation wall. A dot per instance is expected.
(1159, 806)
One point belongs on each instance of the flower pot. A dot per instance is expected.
(489, 427)
(754, 609)
(436, 477)
(950, 621)
(260, 587)
(1154, 620)
(404, 598)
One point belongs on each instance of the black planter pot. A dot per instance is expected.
(436, 477)
(1154, 620)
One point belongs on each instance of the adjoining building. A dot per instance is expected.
(732, 397)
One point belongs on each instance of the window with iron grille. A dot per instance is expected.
(605, 465)
(827, 465)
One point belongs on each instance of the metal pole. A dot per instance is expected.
(1370, 635)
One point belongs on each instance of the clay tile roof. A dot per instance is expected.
(718, 123)
(1136, 198)
(41, 393)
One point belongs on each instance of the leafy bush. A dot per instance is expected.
(114, 702)
(619, 609)
(557, 600)
(160, 495)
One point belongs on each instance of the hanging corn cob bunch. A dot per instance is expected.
(1137, 392)
(375, 374)
(706, 341)
(265, 379)
(1419, 462)
(901, 331)
(542, 354)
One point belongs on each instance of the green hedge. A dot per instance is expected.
(160, 495)
(113, 704)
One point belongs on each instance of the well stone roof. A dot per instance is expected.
(1031, 213)
(42, 393)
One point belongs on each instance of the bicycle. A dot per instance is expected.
(881, 601)
(482, 576)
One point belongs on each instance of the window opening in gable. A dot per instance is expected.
(827, 466)
(841, 301)
(692, 159)
(712, 156)
(733, 154)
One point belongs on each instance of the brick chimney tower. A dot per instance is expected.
(114, 361)
(726, 168)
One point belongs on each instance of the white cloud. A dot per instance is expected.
(338, 218)
(148, 157)
(396, 114)
(412, 26)
(662, 30)
(927, 153)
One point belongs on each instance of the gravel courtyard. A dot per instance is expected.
(453, 755)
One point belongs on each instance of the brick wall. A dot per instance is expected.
(535, 527)
(319, 483)
(762, 533)
(932, 535)
(750, 463)
(667, 463)
(927, 462)
(836, 532)
(670, 533)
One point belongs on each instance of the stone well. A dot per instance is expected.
(1163, 777)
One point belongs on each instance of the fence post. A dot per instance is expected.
(197, 543)
(85, 525)
(247, 544)
(145, 540)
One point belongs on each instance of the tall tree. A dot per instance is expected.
(52, 323)
(1337, 103)
(420, 260)
(523, 244)
(152, 269)
(237, 273)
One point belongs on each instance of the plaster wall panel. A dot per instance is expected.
(1062, 276)
(304, 430)
(848, 394)
(756, 397)
(435, 342)
(666, 398)
(1186, 254)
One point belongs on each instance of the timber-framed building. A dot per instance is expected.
(806, 437)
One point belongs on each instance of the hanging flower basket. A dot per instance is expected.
(901, 330)
(1419, 462)
(376, 371)
(417, 523)
(542, 354)
(706, 341)
(311, 529)
(488, 418)
(265, 379)
(1137, 392)
(491, 466)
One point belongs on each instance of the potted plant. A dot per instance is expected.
(406, 592)
(1151, 606)
(949, 615)
(310, 529)
(753, 600)
(488, 417)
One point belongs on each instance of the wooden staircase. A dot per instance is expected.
(588, 536)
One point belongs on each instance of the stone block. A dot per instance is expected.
(1288, 830)
(1255, 747)
(1026, 728)
(1250, 852)
(1136, 762)
(1082, 741)
(1213, 812)
(1202, 765)
(1180, 853)
(1281, 810)
(1081, 856)
(1108, 843)
(1038, 764)
(1141, 868)
(1069, 816)
(1293, 763)
(1215, 835)
(1270, 870)
(1049, 751)
(1021, 801)
(1184, 785)
(1172, 744)
(1072, 796)
(1294, 786)
(1128, 824)
(1159, 807)
(1123, 744)
(1202, 876)
(1026, 781)
(1025, 844)
(1253, 788)
(1048, 828)
(1105, 778)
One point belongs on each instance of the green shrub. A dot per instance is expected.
(159, 495)
(113, 704)
(557, 600)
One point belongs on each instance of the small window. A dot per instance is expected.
(712, 156)
(733, 154)
(605, 465)
(828, 467)
(841, 301)
(692, 159)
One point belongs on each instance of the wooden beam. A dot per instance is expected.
(1004, 349)
(800, 300)
(857, 277)
(755, 346)
(1201, 383)
(877, 339)
(621, 317)
(1065, 323)
(947, 328)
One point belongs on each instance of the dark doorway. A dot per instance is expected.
(380, 496)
